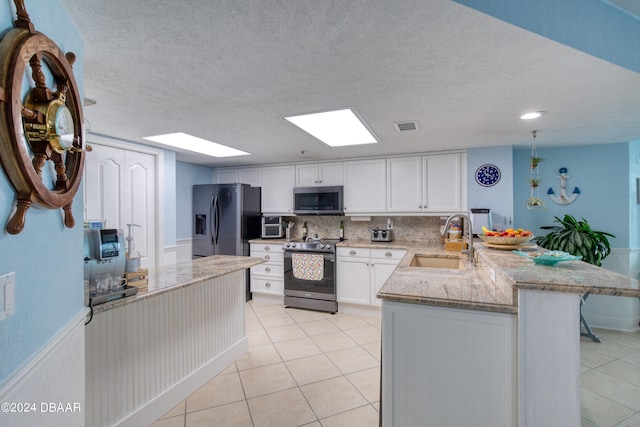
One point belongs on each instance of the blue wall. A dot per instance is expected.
(601, 172)
(188, 175)
(46, 257)
(593, 26)
(498, 198)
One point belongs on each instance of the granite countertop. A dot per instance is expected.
(177, 276)
(468, 288)
(492, 284)
(571, 277)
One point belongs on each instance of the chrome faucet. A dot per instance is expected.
(468, 229)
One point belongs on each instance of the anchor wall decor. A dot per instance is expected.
(563, 198)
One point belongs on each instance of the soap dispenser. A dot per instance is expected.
(132, 257)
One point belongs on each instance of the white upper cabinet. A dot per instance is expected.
(443, 180)
(365, 186)
(226, 176)
(320, 174)
(249, 176)
(431, 183)
(427, 183)
(277, 189)
(404, 184)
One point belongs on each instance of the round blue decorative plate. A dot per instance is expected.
(549, 257)
(487, 175)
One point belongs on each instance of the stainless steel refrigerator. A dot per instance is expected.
(226, 217)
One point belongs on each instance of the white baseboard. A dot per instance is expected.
(360, 310)
(343, 308)
(52, 381)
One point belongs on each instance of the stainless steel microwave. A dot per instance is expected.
(318, 200)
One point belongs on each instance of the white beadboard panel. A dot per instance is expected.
(549, 361)
(61, 362)
(447, 366)
(156, 349)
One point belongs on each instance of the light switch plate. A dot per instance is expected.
(7, 295)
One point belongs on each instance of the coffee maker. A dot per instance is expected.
(104, 263)
(480, 217)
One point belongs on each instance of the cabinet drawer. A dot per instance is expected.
(395, 254)
(268, 270)
(277, 258)
(353, 252)
(266, 247)
(267, 286)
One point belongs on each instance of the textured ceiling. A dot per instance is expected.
(229, 70)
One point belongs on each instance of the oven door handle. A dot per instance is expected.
(327, 256)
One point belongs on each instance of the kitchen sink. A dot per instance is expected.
(430, 261)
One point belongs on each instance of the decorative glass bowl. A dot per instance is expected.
(549, 257)
(499, 240)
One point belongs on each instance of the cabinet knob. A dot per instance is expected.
(352, 252)
(267, 248)
(387, 254)
(267, 285)
(267, 257)
(267, 269)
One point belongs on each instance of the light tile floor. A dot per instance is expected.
(307, 368)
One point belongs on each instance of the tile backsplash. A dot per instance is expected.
(424, 229)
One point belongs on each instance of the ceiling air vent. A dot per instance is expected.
(406, 126)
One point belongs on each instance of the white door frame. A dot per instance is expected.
(159, 164)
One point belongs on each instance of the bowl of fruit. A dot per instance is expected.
(510, 236)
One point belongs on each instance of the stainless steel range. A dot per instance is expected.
(310, 275)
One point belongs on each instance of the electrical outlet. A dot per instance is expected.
(7, 295)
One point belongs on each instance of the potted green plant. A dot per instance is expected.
(535, 161)
(577, 238)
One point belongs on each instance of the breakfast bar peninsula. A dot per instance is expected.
(495, 342)
(148, 352)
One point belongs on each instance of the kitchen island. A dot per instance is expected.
(496, 343)
(146, 353)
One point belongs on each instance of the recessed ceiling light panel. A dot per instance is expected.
(337, 128)
(532, 115)
(188, 142)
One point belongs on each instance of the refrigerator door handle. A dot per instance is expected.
(212, 219)
(216, 222)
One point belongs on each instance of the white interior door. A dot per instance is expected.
(120, 187)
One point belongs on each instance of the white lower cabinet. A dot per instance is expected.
(268, 277)
(361, 272)
(448, 367)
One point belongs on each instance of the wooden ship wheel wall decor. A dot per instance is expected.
(42, 131)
